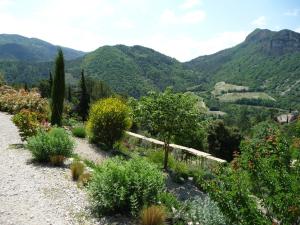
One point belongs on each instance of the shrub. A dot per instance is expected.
(202, 211)
(153, 215)
(27, 122)
(55, 142)
(125, 186)
(79, 131)
(77, 169)
(108, 119)
(13, 101)
(169, 200)
(85, 178)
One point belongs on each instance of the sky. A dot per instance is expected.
(183, 29)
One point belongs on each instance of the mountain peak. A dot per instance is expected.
(275, 42)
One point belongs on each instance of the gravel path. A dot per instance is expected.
(89, 151)
(35, 195)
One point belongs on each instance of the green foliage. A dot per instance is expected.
(27, 122)
(58, 90)
(79, 131)
(125, 186)
(108, 119)
(223, 142)
(157, 157)
(153, 215)
(202, 211)
(169, 200)
(97, 89)
(55, 142)
(297, 128)
(84, 99)
(167, 114)
(261, 185)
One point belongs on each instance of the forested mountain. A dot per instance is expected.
(266, 60)
(136, 70)
(18, 48)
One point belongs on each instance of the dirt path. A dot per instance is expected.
(35, 195)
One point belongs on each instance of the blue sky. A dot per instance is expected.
(183, 29)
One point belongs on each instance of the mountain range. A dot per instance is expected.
(266, 60)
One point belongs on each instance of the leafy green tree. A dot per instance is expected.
(84, 100)
(223, 141)
(58, 90)
(260, 186)
(167, 114)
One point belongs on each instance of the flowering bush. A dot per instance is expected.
(29, 123)
(14, 101)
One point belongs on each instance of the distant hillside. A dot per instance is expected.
(266, 60)
(18, 48)
(136, 70)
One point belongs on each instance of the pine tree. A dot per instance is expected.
(58, 90)
(84, 102)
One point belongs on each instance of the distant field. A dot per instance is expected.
(222, 87)
(232, 97)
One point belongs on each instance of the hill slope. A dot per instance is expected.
(265, 60)
(18, 48)
(136, 70)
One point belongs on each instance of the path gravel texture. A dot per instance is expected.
(32, 194)
(89, 151)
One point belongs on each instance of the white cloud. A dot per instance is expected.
(168, 17)
(297, 29)
(188, 4)
(260, 21)
(293, 12)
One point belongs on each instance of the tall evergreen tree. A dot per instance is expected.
(84, 102)
(58, 90)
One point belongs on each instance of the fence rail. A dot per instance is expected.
(191, 151)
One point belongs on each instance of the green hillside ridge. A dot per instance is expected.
(266, 61)
(18, 48)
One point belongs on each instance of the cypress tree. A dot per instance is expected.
(84, 101)
(58, 90)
